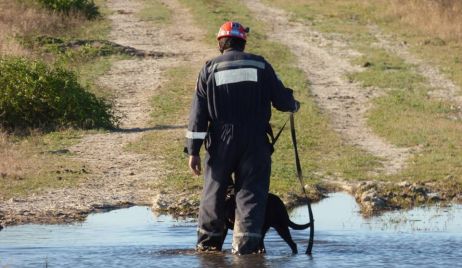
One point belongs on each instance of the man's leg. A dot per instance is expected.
(252, 185)
(211, 225)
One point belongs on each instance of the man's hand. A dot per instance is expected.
(297, 106)
(195, 164)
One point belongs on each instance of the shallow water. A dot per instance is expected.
(425, 237)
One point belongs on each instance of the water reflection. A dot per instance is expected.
(135, 237)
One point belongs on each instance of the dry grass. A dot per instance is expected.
(29, 165)
(14, 162)
(25, 19)
(441, 18)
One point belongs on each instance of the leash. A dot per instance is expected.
(300, 178)
(299, 173)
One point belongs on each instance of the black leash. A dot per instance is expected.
(299, 173)
(300, 178)
(274, 139)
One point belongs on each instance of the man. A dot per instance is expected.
(231, 111)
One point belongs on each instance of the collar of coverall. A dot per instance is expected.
(231, 50)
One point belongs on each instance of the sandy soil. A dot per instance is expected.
(117, 177)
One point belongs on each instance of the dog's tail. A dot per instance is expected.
(295, 226)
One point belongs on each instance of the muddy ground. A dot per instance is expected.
(120, 178)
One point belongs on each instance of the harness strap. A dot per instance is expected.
(274, 139)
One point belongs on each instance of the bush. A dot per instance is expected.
(33, 95)
(86, 7)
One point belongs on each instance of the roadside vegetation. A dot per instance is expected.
(86, 8)
(48, 93)
(405, 115)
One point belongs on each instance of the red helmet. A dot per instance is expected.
(232, 29)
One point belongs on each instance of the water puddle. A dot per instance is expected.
(135, 237)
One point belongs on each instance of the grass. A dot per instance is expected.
(405, 115)
(170, 107)
(430, 30)
(37, 162)
(435, 18)
(321, 149)
(155, 12)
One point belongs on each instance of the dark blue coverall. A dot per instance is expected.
(231, 110)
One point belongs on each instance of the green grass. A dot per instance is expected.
(155, 11)
(405, 115)
(385, 71)
(170, 106)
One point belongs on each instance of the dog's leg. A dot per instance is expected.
(225, 233)
(285, 234)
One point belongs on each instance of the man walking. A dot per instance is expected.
(231, 111)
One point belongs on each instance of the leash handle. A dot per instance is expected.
(300, 178)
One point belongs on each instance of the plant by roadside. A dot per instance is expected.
(34, 95)
(86, 7)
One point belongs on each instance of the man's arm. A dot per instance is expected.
(281, 97)
(198, 123)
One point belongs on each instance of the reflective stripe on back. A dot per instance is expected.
(235, 76)
(238, 63)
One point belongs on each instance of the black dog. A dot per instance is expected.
(276, 216)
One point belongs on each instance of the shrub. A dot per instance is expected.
(86, 7)
(33, 95)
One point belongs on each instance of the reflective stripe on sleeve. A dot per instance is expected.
(235, 76)
(195, 135)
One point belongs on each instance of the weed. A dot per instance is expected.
(36, 96)
(86, 7)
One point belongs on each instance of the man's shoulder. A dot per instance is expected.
(235, 57)
(251, 56)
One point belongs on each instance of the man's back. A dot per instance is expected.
(239, 88)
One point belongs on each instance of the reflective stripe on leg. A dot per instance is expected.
(202, 231)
